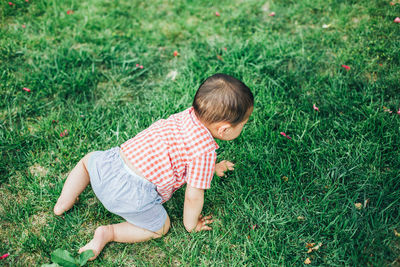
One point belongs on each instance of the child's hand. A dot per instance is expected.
(222, 167)
(202, 223)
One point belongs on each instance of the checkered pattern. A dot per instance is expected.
(174, 151)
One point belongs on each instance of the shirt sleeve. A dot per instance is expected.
(201, 171)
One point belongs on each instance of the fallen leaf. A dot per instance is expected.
(366, 202)
(396, 233)
(315, 107)
(358, 206)
(64, 133)
(310, 245)
(326, 26)
(4, 256)
(285, 178)
(285, 135)
(392, 3)
(307, 261)
(317, 246)
(346, 67)
(217, 14)
(219, 57)
(301, 218)
(23, 26)
(385, 109)
(272, 14)
(63, 258)
(397, 20)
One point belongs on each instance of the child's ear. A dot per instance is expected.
(223, 129)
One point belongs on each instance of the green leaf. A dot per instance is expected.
(63, 258)
(85, 256)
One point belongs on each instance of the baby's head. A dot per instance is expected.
(223, 104)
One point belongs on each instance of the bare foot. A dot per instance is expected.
(102, 236)
(62, 206)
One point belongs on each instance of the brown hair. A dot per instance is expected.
(222, 98)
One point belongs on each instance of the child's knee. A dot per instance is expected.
(165, 228)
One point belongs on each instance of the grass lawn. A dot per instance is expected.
(79, 60)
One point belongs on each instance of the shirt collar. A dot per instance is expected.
(202, 127)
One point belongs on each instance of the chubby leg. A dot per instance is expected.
(123, 233)
(76, 182)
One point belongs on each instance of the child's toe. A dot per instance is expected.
(58, 210)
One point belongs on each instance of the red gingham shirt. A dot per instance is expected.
(173, 152)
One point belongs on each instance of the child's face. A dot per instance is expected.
(233, 132)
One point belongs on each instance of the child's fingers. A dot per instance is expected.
(220, 173)
(229, 164)
(223, 166)
(207, 217)
(208, 222)
(205, 228)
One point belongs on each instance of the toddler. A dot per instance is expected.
(135, 179)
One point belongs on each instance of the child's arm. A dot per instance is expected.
(192, 219)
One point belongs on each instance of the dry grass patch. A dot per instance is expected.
(37, 170)
(39, 221)
(29, 259)
(371, 77)
(7, 198)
